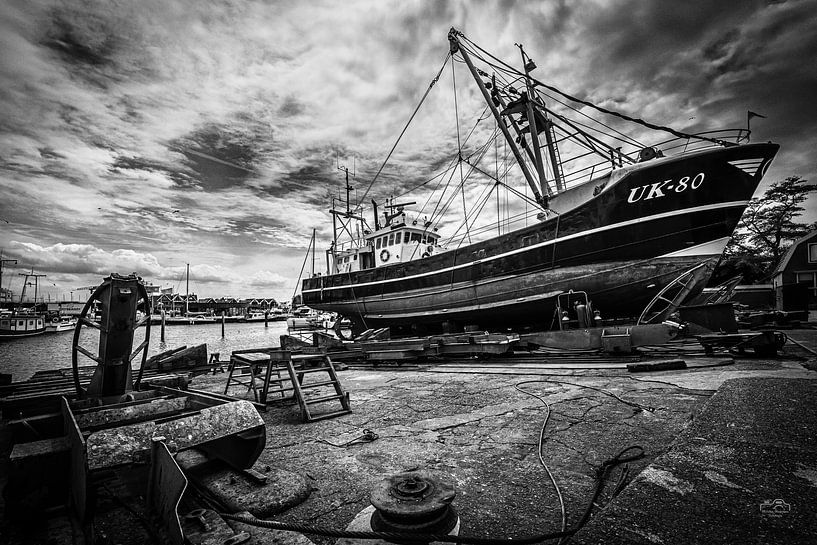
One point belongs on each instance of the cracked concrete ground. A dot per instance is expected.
(480, 432)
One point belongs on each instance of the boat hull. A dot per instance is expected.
(642, 228)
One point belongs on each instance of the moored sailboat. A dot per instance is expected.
(618, 229)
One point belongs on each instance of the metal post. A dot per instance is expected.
(162, 335)
(266, 318)
(313, 251)
(223, 320)
(187, 295)
(334, 236)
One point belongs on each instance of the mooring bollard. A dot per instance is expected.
(266, 318)
(163, 327)
(223, 319)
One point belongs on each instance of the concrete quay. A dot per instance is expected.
(721, 445)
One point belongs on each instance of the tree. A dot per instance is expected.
(766, 230)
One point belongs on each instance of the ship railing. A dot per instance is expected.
(584, 170)
(350, 245)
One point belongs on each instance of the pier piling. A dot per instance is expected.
(163, 327)
(223, 320)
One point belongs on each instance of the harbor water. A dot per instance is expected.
(23, 357)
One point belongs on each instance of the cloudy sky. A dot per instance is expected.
(141, 136)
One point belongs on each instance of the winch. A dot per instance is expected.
(412, 502)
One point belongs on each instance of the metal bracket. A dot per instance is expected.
(166, 487)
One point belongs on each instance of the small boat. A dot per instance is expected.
(189, 319)
(58, 324)
(273, 314)
(308, 318)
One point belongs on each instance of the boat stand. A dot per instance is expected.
(273, 371)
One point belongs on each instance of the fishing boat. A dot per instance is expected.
(611, 216)
(23, 322)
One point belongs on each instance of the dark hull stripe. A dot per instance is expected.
(8, 334)
(626, 243)
(622, 291)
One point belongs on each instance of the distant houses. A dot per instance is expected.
(176, 303)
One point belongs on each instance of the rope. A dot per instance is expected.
(396, 537)
(590, 104)
(303, 265)
(539, 450)
(459, 152)
(433, 82)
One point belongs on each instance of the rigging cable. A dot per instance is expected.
(303, 265)
(459, 152)
(642, 122)
(506, 186)
(431, 85)
(482, 152)
(482, 200)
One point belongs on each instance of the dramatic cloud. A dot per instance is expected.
(141, 137)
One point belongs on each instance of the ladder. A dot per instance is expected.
(313, 365)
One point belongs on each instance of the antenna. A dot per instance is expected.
(349, 188)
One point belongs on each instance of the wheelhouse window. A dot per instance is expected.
(377, 244)
(415, 237)
(812, 253)
(391, 239)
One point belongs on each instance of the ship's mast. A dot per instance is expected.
(36, 286)
(2, 262)
(533, 101)
(534, 133)
(455, 47)
(187, 295)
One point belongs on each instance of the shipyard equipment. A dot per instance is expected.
(121, 433)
